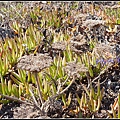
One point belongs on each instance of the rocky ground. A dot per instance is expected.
(109, 79)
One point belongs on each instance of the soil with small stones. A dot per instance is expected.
(110, 81)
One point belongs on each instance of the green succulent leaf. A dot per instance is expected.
(15, 90)
(64, 99)
(118, 21)
(69, 99)
(91, 71)
(78, 98)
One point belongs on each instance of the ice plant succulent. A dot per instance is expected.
(35, 63)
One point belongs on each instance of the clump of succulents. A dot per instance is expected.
(46, 58)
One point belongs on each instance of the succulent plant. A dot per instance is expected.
(93, 101)
(115, 108)
(56, 30)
